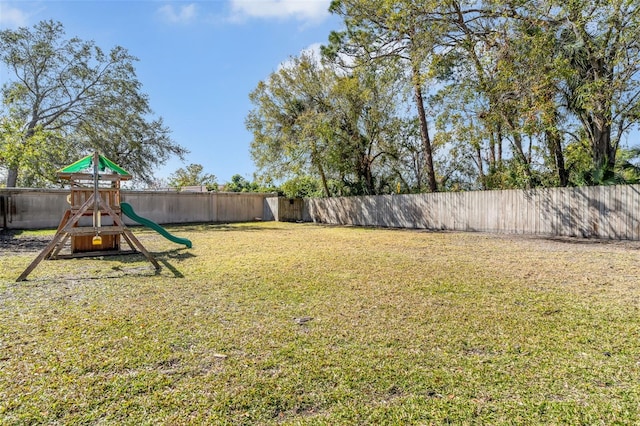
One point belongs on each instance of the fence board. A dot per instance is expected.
(601, 212)
(43, 208)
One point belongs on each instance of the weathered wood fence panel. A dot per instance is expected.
(608, 212)
(43, 208)
(287, 209)
(602, 212)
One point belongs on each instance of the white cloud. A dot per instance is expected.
(11, 17)
(304, 10)
(312, 51)
(182, 14)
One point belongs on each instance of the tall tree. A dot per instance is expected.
(595, 63)
(86, 96)
(290, 121)
(482, 94)
(392, 30)
(602, 43)
(522, 94)
(314, 119)
(364, 110)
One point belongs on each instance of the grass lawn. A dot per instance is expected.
(299, 324)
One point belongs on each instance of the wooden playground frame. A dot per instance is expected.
(96, 195)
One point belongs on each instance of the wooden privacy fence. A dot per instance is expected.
(597, 212)
(22, 208)
(589, 212)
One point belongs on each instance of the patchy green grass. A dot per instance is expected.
(273, 323)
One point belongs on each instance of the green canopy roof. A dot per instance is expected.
(86, 164)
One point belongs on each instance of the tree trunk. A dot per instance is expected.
(368, 176)
(492, 150)
(12, 177)
(499, 142)
(563, 176)
(424, 129)
(483, 179)
(555, 148)
(604, 154)
(325, 186)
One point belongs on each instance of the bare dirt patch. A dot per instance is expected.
(13, 242)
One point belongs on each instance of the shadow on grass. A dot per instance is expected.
(179, 254)
(176, 228)
(35, 240)
(163, 257)
(632, 245)
(125, 260)
(10, 241)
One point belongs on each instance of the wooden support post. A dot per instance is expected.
(64, 220)
(132, 239)
(59, 247)
(41, 256)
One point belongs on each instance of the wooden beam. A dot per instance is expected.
(76, 217)
(59, 246)
(56, 239)
(64, 220)
(41, 256)
(103, 230)
(138, 245)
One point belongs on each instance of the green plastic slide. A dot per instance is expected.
(128, 211)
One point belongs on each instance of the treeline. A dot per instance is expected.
(415, 96)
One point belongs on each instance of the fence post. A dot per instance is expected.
(3, 210)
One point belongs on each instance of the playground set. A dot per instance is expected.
(93, 225)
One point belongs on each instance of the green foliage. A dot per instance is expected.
(314, 119)
(193, 175)
(68, 98)
(508, 87)
(395, 37)
(579, 161)
(38, 157)
(624, 172)
(240, 184)
(302, 187)
(626, 165)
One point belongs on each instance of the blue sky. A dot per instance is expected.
(198, 60)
